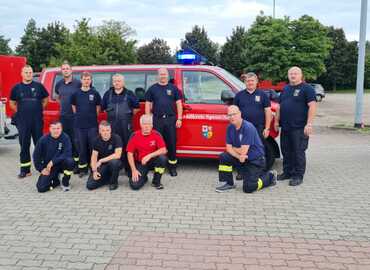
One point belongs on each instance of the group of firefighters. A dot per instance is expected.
(77, 143)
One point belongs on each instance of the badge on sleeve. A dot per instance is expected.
(296, 92)
(258, 98)
(169, 92)
(91, 97)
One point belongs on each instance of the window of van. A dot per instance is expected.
(203, 87)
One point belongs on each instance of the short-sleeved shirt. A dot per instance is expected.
(29, 100)
(246, 135)
(252, 106)
(141, 145)
(294, 101)
(113, 97)
(164, 98)
(65, 92)
(107, 148)
(86, 102)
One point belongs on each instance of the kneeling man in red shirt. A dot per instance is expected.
(146, 151)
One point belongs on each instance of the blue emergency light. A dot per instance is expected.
(189, 57)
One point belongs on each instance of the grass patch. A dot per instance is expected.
(365, 130)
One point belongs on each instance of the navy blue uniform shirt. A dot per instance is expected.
(132, 100)
(86, 102)
(65, 92)
(293, 105)
(49, 148)
(164, 98)
(107, 148)
(246, 135)
(29, 100)
(253, 106)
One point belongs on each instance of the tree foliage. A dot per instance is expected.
(155, 52)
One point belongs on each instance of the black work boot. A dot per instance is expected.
(283, 176)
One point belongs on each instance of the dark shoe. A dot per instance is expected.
(173, 172)
(295, 181)
(274, 177)
(224, 188)
(76, 170)
(283, 176)
(157, 186)
(113, 186)
(83, 173)
(65, 188)
(238, 176)
(23, 175)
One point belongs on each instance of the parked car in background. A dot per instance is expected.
(320, 91)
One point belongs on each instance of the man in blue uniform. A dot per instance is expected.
(53, 156)
(65, 88)
(295, 115)
(161, 99)
(27, 100)
(86, 107)
(105, 159)
(245, 151)
(120, 104)
(255, 106)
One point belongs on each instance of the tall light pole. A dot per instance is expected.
(361, 66)
(273, 10)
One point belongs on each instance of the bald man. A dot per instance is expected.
(245, 151)
(27, 100)
(295, 115)
(164, 101)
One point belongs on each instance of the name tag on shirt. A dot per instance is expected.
(296, 92)
(91, 97)
(258, 98)
(169, 92)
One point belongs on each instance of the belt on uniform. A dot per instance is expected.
(163, 115)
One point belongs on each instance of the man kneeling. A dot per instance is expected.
(244, 149)
(52, 156)
(105, 159)
(146, 151)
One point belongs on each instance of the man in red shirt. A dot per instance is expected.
(146, 150)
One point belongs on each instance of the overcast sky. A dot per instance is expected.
(170, 20)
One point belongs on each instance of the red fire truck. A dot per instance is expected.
(10, 74)
(206, 91)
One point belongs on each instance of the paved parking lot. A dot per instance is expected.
(322, 224)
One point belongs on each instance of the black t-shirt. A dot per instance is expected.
(253, 106)
(65, 92)
(107, 148)
(86, 102)
(294, 101)
(29, 100)
(164, 98)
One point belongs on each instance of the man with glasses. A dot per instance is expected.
(245, 151)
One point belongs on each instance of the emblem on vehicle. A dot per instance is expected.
(207, 132)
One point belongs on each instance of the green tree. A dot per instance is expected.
(199, 41)
(28, 43)
(268, 50)
(105, 44)
(155, 52)
(231, 55)
(4, 45)
(311, 46)
(115, 44)
(341, 62)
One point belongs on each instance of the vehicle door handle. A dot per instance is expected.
(187, 108)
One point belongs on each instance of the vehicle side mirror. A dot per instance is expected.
(227, 97)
